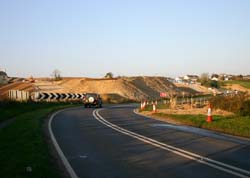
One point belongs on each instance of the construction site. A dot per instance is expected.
(114, 90)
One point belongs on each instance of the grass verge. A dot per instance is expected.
(22, 143)
(10, 109)
(234, 125)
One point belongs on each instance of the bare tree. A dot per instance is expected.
(56, 75)
(204, 79)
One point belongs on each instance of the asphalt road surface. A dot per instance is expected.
(114, 142)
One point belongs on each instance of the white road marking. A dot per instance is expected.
(59, 150)
(203, 160)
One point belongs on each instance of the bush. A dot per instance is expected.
(214, 84)
(245, 108)
(237, 104)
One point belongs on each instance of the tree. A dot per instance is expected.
(109, 75)
(56, 74)
(204, 79)
(214, 84)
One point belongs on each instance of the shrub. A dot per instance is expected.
(214, 84)
(237, 104)
(245, 108)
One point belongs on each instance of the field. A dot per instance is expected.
(22, 142)
(245, 84)
(242, 83)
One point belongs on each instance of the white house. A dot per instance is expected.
(179, 80)
(191, 78)
(215, 79)
(3, 77)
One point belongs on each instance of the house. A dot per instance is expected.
(246, 77)
(215, 77)
(191, 78)
(3, 77)
(171, 80)
(179, 80)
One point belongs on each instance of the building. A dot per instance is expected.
(246, 77)
(191, 78)
(179, 80)
(3, 77)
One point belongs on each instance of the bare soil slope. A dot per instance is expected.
(132, 88)
(117, 89)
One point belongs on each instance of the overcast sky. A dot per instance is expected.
(126, 37)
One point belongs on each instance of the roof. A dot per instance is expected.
(193, 76)
(3, 73)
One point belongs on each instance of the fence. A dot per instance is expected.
(18, 95)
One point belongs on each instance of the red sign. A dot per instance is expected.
(163, 94)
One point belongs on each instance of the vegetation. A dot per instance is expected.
(204, 78)
(238, 104)
(205, 81)
(10, 109)
(235, 125)
(56, 74)
(238, 124)
(243, 83)
(109, 75)
(23, 150)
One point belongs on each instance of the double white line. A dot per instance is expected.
(189, 155)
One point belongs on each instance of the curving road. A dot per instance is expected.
(114, 142)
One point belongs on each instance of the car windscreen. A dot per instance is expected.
(91, 95)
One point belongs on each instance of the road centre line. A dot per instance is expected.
(189, 155)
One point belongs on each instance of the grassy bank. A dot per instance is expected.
(243, 83)
(22, 143)
(10, 109)
(234, 125)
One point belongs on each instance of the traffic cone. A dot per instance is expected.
(141, 105)
(209, 113)
(154, 108)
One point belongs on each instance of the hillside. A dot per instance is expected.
(133, 88)
(126, 88)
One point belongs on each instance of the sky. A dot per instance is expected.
(88, 38)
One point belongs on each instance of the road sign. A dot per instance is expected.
(163, 95)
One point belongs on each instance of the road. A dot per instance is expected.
(114, 142)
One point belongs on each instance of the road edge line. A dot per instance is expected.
(57, 147)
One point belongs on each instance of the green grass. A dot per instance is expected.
(10, 109)
(243, 83)
(22, 143)
(234, 125)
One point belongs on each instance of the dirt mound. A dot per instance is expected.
(114, 98)
(118, 89)
(132, 88)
